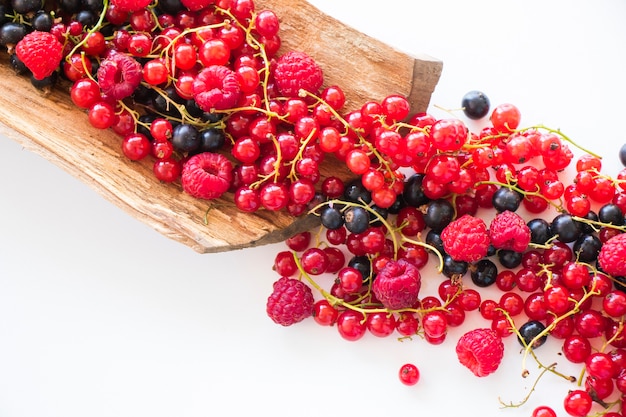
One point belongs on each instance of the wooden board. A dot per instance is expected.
(56, 129)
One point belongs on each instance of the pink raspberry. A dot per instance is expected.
(509, 231)
(291, 301)
(216, 88)
(207, 175)
(481, 351)
(612, 256)
(397, 285)
(119, 75)
(466, 239)
(296, 70)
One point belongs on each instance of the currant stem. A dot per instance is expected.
(564, 137)
(532, 389)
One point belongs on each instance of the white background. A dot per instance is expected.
(102, 316)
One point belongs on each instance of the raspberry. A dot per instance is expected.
(130, 5)
(612, 256)
(466, 239)
(290, 302)
(119, 75)
(397, 285)
(40, 52)
(480, 351)
(295, 71)
(509, 231)
(216, 88)
(207, 175)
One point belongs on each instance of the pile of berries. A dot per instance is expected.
(508, 208)
(203, 89)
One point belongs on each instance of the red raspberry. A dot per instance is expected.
(40, 52)
(612, 256)
(216, 88)
(466, 239)
(397, 285)
(119, 75)
(296, 70)
(480, 351)
(130, 5)
(291, 301)
(207, 175)
(509, 231)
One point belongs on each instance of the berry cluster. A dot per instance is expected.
(554, 249)
(200, 87)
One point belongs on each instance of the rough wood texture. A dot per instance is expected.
(53, 127)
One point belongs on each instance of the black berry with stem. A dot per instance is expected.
(475, 104)
(211, 140)
(382, 212)
(587, 228)
(356, 192)
(186, 138)
(587, 248)
(509, 258)
(506, 199)
(566, 228)
(529, 331)
(540, 231)
(433, 239)
(611, 214)
(439, 214)
(331, 217)
(483, 273)
(42, 21)
(453, 268)
(356, 219)
(413, 193)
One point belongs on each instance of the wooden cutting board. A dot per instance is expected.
(55, 128)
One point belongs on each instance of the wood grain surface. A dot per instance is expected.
(52, 126)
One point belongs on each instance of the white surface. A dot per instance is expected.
(102, 316)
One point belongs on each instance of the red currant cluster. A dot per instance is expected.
(559, 277)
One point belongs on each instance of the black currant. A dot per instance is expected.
(452, 268)
(356, 192)
(587, 247)
(509, 258)
(44, 83)
(611, 214)
(93, 5)
(11, 33)
(331, 217)
(439, 214)
(382, 212)
(413, 192)
(17, 65)
(529, 331)
(475, 104)
(42, 21)
(192, 108)
(356, 219)
(25, 6)
(540, 231)
(506, 199)
(185, 138)
(211, 140)
(433, 239)
(87, 18)
(587, 228)
(565, 228)
(483, 273)
(70, 6)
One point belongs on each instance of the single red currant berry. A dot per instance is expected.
(351, 325)
(324, 313)
(381, 324)
(505, 118)
(577, 403)
(314, 261)
(136, 146)
(409, 374)
(407, 324)
(543, 411)
(167, 169)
